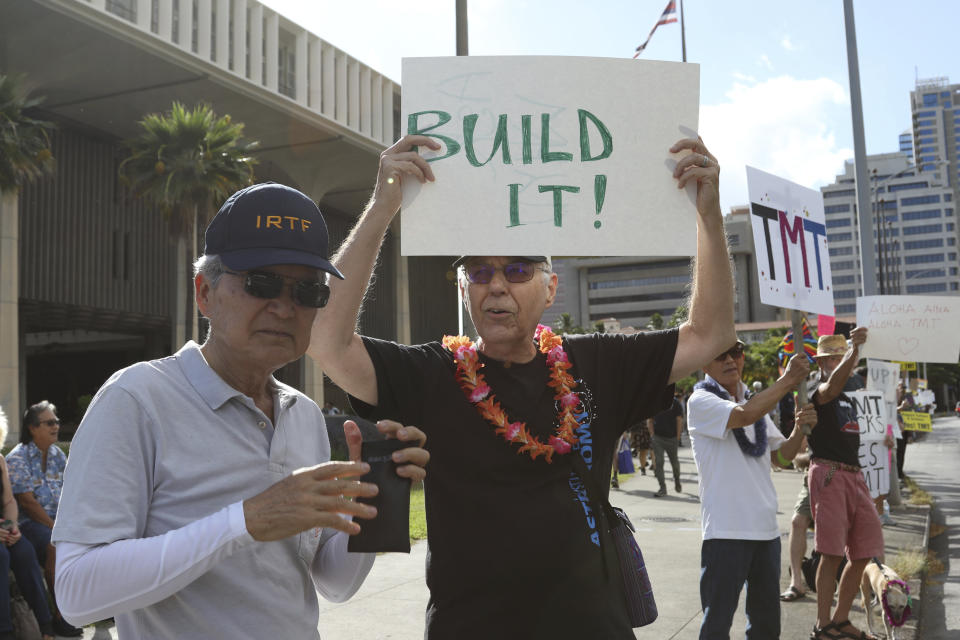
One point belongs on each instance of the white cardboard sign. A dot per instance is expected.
(549, 155)
(790, 236)
(883, 376)
(917, 328)
(872, 417)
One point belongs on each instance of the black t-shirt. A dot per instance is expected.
(836, 435)
(665, 422)
(513, 547)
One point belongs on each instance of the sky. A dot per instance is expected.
(774, 83)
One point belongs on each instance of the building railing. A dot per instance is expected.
(259, 45)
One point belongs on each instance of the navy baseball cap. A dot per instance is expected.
(266, 224)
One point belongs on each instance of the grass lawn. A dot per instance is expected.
(418, 514)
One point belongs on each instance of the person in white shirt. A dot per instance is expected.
(193, 503)
(733, 443)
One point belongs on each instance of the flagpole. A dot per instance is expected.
(683, 34)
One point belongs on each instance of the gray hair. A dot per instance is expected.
(31, 418)
(211, 267)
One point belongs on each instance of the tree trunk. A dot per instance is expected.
(9, 312)
(179, 329)
(191, 298)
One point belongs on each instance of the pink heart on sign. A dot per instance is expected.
(908, 344)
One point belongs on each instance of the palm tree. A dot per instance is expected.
(185, 161)
(24, 156)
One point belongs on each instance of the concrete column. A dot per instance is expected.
(179, 324)
(315, 75)
(376, 108)
(300, 61)
(240, 37)
(185, 35)
(204, 28)
(9, 311)
(165, 20)
(144, 14)
(329, 81)
(256, 43)
(389, 135)
(223, 33)
(353, 94)
(272, 54)
(341, 114)
(365, 100)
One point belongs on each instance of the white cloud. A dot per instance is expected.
(765, 61)
(783, 126)
(787, 43)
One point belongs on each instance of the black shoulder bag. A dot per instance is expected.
(638, 594)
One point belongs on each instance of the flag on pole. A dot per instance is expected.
(785, 350)
(669, 15)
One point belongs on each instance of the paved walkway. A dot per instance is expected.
(391, 603)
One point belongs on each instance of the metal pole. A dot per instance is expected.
(795, 320)
(867, 264)
(683, 34)
(462, 45)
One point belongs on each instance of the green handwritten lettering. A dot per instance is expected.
(413, 128)
(545, 154)
(558, 190)
(499, 140)
(605, 136)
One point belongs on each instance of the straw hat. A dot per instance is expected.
(835, 345)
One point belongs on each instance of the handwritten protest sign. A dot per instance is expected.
(872, 417)
(916, 421)
(918, 328)
(550, 155)
(883, 376)
(790, 235)
(874, 455)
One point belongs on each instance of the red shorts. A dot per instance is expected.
(845, 518)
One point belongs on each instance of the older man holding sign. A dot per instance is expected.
(521, 422)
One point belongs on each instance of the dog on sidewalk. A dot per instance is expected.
(892, 597)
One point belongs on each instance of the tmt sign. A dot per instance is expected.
(790, 237)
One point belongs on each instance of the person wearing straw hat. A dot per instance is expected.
(845, 520)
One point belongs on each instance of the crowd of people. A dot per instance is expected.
(197, 478)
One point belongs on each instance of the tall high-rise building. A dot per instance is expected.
(915, 231)
(935, 104)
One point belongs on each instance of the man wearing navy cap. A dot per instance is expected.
(193, 503)
(516, 549)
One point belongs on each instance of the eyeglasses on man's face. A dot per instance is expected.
(734, 352)
(263, 284)
(55, 422)
(516, 272)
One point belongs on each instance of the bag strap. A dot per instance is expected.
(604, 511)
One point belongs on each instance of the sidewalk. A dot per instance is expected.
(392, 601)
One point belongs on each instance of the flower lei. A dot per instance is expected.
(478, 392)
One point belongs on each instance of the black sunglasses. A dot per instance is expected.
(262, 284)
(481, 273)
(734, 352)
(49, 423)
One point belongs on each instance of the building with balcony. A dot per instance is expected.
(86, 284)
(630, 290)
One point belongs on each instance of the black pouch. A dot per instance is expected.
(390, 529)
